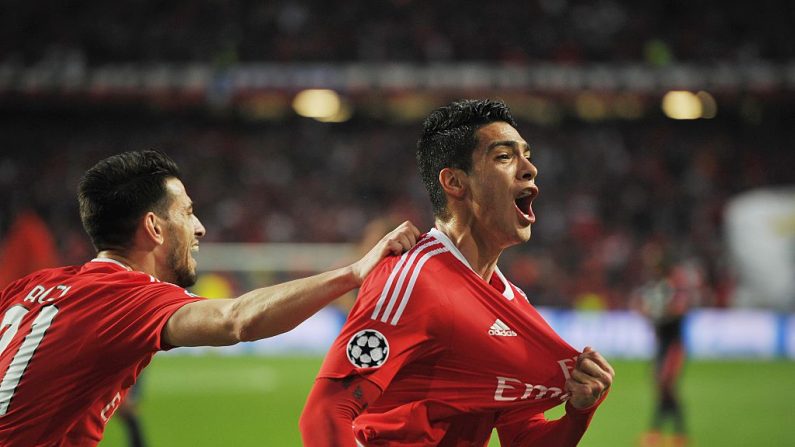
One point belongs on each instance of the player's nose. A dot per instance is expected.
(198, 229)
(527, 170)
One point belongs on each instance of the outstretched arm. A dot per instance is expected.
(588, 385)
(273, 310)
(332, 406)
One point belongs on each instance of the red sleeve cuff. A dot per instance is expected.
(571, 410)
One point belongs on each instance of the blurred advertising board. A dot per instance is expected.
(709, 334)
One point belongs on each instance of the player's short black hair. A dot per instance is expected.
(448, 140)
(119, 190)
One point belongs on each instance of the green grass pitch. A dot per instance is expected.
(256, 401)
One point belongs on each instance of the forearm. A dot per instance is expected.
(564, 432)
(331, 408)
(257, 314)
(538, 431)
(276, 309)
(273, 310)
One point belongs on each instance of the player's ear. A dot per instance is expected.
(153, 228)
(453, 182)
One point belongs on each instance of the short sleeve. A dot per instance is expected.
(397, 320)
(138, 319)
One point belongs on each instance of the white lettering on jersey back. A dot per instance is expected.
(408, 261)
(501, 329)
(41, 294)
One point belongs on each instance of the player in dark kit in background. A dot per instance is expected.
(665, 300)
(74, 339)
(440, 348)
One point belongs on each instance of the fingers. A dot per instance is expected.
(593, 370)
(414, 230)
(402, 238)
(596, 383)
(584, 394)
(406, 241)
(591, 377)
(395, 247)
(395, 242)
(591, 357)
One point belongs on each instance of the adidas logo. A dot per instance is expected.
(501, 329)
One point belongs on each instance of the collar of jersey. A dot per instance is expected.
(112, 261)
(441, 237)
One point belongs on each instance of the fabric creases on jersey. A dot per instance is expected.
(454, 355)
(104, 324)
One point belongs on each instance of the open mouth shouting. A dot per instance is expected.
(524, 204)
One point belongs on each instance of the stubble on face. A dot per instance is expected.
(179, 259)
(181, 232)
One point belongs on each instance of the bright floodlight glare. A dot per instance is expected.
(681, 105)
(317, 103)
(708, 105)
(343, 114)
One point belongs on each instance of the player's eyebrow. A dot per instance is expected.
(513, 144)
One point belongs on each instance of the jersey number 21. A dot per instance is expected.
(11, 321)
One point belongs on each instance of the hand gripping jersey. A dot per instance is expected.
(74, 339)
(454, 355)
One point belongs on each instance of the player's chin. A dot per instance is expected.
(186, 278)
(186, 273)
(524, 233)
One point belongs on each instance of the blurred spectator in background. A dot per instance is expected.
(613, 188)
(671, 290)
(564, 31)
(614, 185)
(28, 246)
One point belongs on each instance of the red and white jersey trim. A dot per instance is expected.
(409, 262)
(507, 289)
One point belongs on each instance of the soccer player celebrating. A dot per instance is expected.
(440, 348)
(74, 339)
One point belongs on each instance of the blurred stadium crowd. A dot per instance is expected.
(224, 32)
(618, 198)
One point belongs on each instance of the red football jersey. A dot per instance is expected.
(74, 339)
(454, 355)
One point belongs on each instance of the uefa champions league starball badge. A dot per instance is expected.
(368, 349)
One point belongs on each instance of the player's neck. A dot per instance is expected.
(475, 248)
(125, 259)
